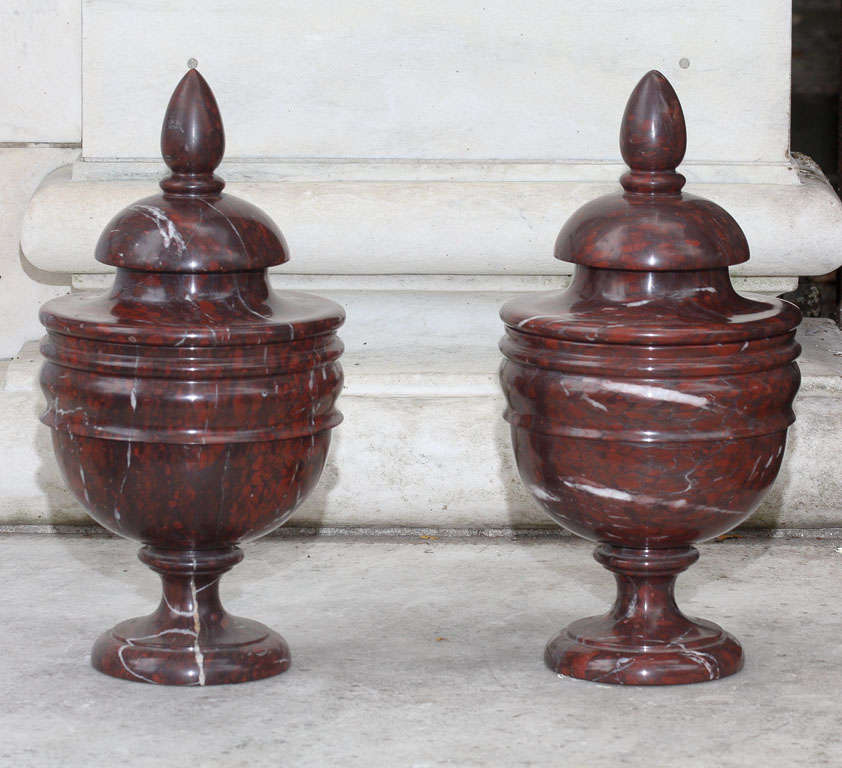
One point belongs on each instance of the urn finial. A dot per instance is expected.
(653, 137)
(192, 137)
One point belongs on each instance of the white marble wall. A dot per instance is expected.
(41, 66)
(396, 137)
(458, 80)
(420, 158)
(40, 129)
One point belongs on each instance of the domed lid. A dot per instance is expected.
(652, 225)
(192, 226)
(192, 260)
(652, 262)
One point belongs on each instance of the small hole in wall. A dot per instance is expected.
(193, 63)
(683, 63)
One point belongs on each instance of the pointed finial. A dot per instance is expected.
(653, 137)
(192, 137)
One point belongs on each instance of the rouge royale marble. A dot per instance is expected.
(649, 402)
(191, 405)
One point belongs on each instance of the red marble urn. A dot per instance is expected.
(649, 402)
(191, 405)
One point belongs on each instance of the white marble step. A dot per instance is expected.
(423, 442)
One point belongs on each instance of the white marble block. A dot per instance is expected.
(41, 62)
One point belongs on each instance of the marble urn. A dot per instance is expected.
(191, 406)
(649, 402)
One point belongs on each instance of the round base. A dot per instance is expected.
(235, 651)
(598, 650)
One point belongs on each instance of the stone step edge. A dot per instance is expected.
(432, 533)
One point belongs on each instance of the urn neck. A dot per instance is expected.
(619, 286)
(164, 287)
(645, 603)
(190, 581)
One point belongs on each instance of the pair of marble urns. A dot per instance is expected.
(191, 405)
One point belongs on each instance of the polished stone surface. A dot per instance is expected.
(420, 653)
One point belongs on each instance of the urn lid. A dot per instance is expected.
(652, 261)
(652, 225)
(192, 260)
(192, 226)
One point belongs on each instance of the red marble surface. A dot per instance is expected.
(649, 402)
(191, 405)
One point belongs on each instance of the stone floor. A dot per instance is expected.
(420, 652)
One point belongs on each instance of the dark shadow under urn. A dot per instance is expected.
(649, 402)
(191, 405)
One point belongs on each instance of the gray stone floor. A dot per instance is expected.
(420, 653)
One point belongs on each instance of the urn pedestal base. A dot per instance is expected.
(190, 639)
(644, 639)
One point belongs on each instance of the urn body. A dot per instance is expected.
(645, 444)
